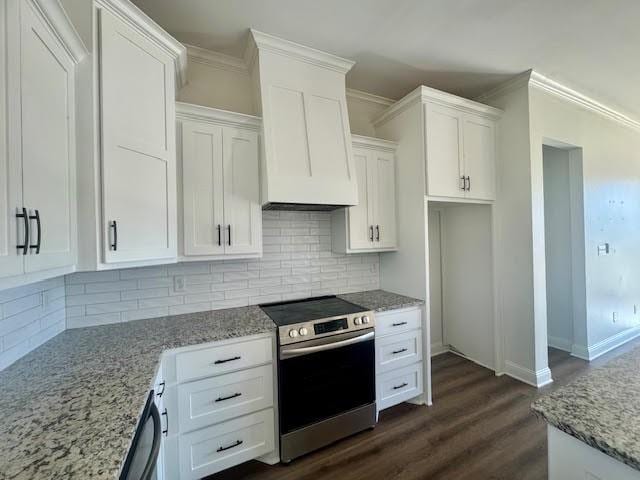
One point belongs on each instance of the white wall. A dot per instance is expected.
(611, 178)
(557, 220)
(29, 316)
(435, 280)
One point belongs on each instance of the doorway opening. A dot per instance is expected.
(564, 250)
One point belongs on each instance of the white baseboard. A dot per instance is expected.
(580, 351)
(438, 349)
(608, 344)
(536, 379)
(559, 343)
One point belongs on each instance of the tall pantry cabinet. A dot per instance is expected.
(38, 56)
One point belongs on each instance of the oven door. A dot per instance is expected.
(322, 378)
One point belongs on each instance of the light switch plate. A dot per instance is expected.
(179, 283)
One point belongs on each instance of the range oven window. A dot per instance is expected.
(320, 385)
(331, 326)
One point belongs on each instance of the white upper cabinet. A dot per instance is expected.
(369, 226)
(459, 144)
(138, 145)
(37, 183)
(222, 216)
(307, 142)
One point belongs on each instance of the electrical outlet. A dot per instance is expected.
(615, 317)
(179, 283)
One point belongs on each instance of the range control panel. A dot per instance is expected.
(303, 331)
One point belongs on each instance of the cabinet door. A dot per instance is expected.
(444, 151)
(11, 228)
(360, 217)
(138, 146)
(384, 199)
(48, 144)
(242, 210)
(479, 157)
(202, 184)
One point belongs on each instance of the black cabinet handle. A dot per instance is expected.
(25, 244)
(371, 232)
(219, 235)
(218, 362)
(398, 324)
(222, 399)
(36, 217)
(164, 386)
(402, 385)
(165, 432)
(229, 230)
(377, 233)
(222, 449)
(402, 350)
(464, 183)
(114, 244)
(468, 183)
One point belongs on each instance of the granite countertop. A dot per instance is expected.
(381, 300)
(601, 408)
(70, 408)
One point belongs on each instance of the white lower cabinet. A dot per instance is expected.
(399, 362)
(218, 408)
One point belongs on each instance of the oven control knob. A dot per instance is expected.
(357, 321)
(293, 333)
(303, 331)
(365, 319)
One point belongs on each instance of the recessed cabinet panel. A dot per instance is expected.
(384, 200)
(444, 151)
(138, 157)
(242, 210)
(358, 216)
(326, 124)
(290, 144)
(479, 152)
(202, 180)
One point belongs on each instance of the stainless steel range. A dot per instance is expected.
(326, 372)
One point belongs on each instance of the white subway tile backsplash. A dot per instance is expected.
(297, 262)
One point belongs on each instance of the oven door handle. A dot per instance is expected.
(296, 352)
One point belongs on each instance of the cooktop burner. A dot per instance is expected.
(297, 311)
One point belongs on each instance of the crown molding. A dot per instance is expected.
(265, 42)
(361, 141)
(56, 19)
(424, 94)
(216, 60)
(139, 21)
(369, 97)
(519, 81)
(545, 84)
(216, 116)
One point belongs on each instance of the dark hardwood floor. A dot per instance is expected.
(479, 427)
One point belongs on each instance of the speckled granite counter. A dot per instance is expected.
(70, 408)
(602, 408)
(381, 300)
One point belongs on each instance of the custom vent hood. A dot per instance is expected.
(307, 162)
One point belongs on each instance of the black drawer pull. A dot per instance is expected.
(218, 362)
(371, 233)
(219, 235)
(222, 399)
(402, 385)
(377, 233)
(164, 386)
(25, 218)
(165, 432)
(229, 230)
(395, 352)
(222, 449)
(399, 324)
(36, 217)
(114, 244)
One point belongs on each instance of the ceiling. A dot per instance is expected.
(464, 46)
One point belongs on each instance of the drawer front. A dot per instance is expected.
(398, 385)
(395, 351)
(217, 448)
(398, 321)
(213, 400)
(212, 361)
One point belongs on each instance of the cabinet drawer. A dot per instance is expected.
(213, 361)
(398, 321)
(213, 400)
(216, 448)
(395, 351)
(398, 385)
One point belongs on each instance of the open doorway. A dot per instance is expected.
(564, 250)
